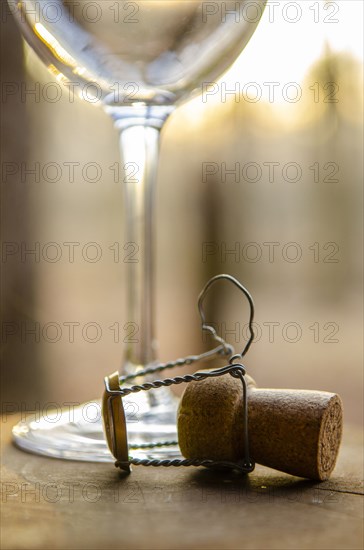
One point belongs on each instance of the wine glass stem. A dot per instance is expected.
(139, 148)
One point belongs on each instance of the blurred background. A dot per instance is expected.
(261, 177)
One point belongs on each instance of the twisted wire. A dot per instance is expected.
(153, 445)
(235, 370)
(159, 383)
(196, 377)
(223, 349)
(176, 462)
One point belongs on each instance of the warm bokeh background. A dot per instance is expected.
(316, 296)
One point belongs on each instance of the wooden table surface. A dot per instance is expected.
(47, 503)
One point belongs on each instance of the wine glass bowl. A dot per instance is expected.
(156, 52)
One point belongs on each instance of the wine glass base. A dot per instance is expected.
(77, 433)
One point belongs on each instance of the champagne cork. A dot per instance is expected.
(295, 431)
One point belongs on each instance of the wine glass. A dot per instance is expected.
(139, 60)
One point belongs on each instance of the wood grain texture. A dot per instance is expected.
(52, 504)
